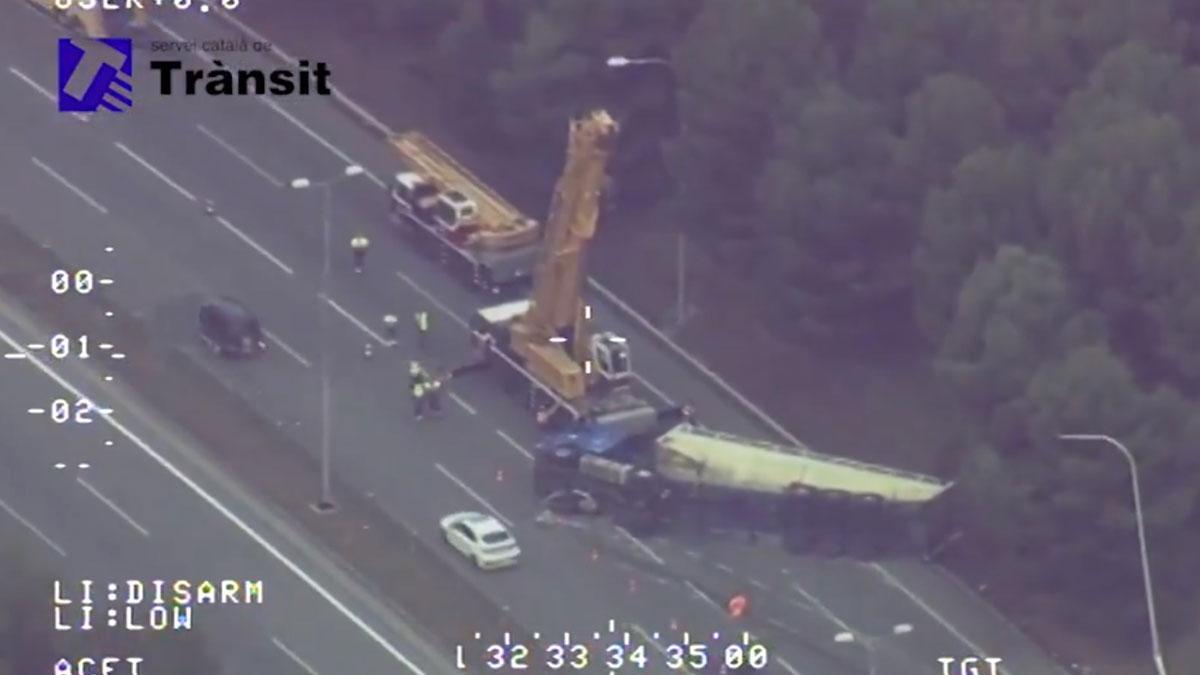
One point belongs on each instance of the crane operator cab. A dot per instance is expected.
(610, 353)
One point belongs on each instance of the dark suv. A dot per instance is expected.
(229, 328)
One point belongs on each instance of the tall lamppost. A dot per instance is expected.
(325, 504)
(681, 308)
(1155, 645)
(868, 642)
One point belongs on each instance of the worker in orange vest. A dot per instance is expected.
(738, 605)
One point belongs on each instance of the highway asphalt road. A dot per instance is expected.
(105, 504)
(137, 182)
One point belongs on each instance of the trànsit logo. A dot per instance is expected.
(95, 73)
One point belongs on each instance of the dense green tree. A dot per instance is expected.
(1010, 316)
(735, 64)
(466, 54)
(1128, 81)
(1177, 308)
(833, 227)
(1049, 47)
(546, 64)
(1122, 201)
(1060, 515)
(903, 42)
(991, 200)
(1029, 54)
(1077, 513)
(841, 20)
(544, 83)
(948, 117)
(1115, 192)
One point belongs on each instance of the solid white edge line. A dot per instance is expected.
(653, 389)
(287, 348)
(463, 404)
(318, 138)
(355, 320)
(823, 609)
(70, 186)
(245, 159)
(786, 666)
(467, 488)
(32, 528)
(109, 503)
(641, 545)
(519, 448)
(898, 585)
(43, 91)
(292, 655)
(32, 83)
(253, 244)
(152, 169)
(429, 296)
(702, 595)
(229, 515)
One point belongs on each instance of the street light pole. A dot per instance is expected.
(681, 280)
(1155, 645)
(681, 306)
(325, 503)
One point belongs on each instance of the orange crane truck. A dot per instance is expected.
(554, 354)
(459, 219)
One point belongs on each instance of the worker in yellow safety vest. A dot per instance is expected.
(422, 323)
(358, 248)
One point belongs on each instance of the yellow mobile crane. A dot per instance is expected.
(548, 338)
(97, 22)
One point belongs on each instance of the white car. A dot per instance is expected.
(482, 538)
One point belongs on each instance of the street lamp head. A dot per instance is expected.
(617, 61)
(844, 636)
(902, 629)
(301, 183)
(353, 170)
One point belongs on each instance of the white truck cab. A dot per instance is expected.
(411, 192)
(454, 209)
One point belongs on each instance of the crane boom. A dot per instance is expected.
(551, 336)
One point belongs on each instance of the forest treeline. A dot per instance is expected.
(1013, 181)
